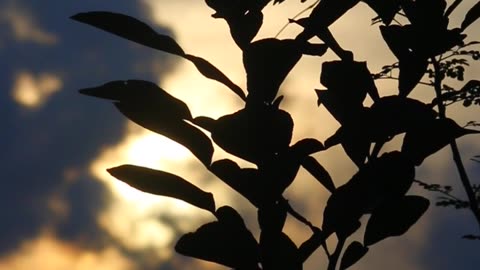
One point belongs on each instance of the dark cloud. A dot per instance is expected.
(39, 145)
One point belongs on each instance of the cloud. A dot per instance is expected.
(24, 26)
(33, 91)
(47, 252)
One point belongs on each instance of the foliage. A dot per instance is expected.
(261, 132)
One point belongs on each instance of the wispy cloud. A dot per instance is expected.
(24, 26)
(32, 91)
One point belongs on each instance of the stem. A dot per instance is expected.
(453, 145)
(332, 263)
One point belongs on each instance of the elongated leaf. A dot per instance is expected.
(354, 252)
(267, 63)
(319, 173)
(426, 139)
(176, 129)
(306, 147)
(226, 241)
(394, 218)
(164, 184)
(247, 182)
(472, 15)
(141, 92)
(137, 31)
(386, 9)
(254, 133)
(131, 29)
(210, 71)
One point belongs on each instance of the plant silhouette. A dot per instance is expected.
(261, 132)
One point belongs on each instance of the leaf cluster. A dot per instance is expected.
(261, 132)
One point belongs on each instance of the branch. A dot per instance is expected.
(453, 145)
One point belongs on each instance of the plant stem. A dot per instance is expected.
(333, 260)
(453, 145)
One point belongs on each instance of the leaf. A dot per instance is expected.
(472, 15)
(204, 122)
(210, 71)
(279, 251)
(319, 173)
(226, 241)
(139, 32)
(138, 91)
(267, 63)
(426, 139)
(306, 147)
(412, 70)
(247, 181)
(387, 177)
(254, 133)
(164, 184)
(153, 108)
(386, 10)
(131, 29)
(354, 252)
(394, 218)
(176, 129)
(354, 89)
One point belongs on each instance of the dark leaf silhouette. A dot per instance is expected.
(131, 29)
(210, 71)
(394, 218)
(426, 139)
(387, 177)
(359, 83)
(245, 181)
(354, 252)
(319, 172)
(267, 63)
(137, 31)
(226, 241)
(254, 133)
(164, 184)
(386, 10)
(176, 129)
(153, 108)
(278, 251)
(306, 147)
(340, 108)
(204, 122)
(244, 18)
(472, 15)
(144, 92)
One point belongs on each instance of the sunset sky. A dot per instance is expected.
(60, 209)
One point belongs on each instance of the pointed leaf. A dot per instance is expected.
(254, 133)
(141, 92)
(204, 122)
(210, 71)
(412, 70)
(131, 29)
(426, 139)
(267, 63)
(472, 15)
(306, 147)
(164, 184)
(354, 252)
(176, 129)
(226, 241)
(139, 32)
(386, 10)
(279, 251)
(319, 172)
(394, 218)
(247, 182)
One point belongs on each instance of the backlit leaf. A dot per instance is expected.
(354, 252)
(318, 172)
(394, 218)
(131, 29)
(472, 15)
(148, 116)
(139, 32)
(226, 241)
(164, 184)
(431, 136)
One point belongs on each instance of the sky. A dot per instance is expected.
(60, 209)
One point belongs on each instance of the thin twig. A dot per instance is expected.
(453, 145)
(333, 260)
(296, 16)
